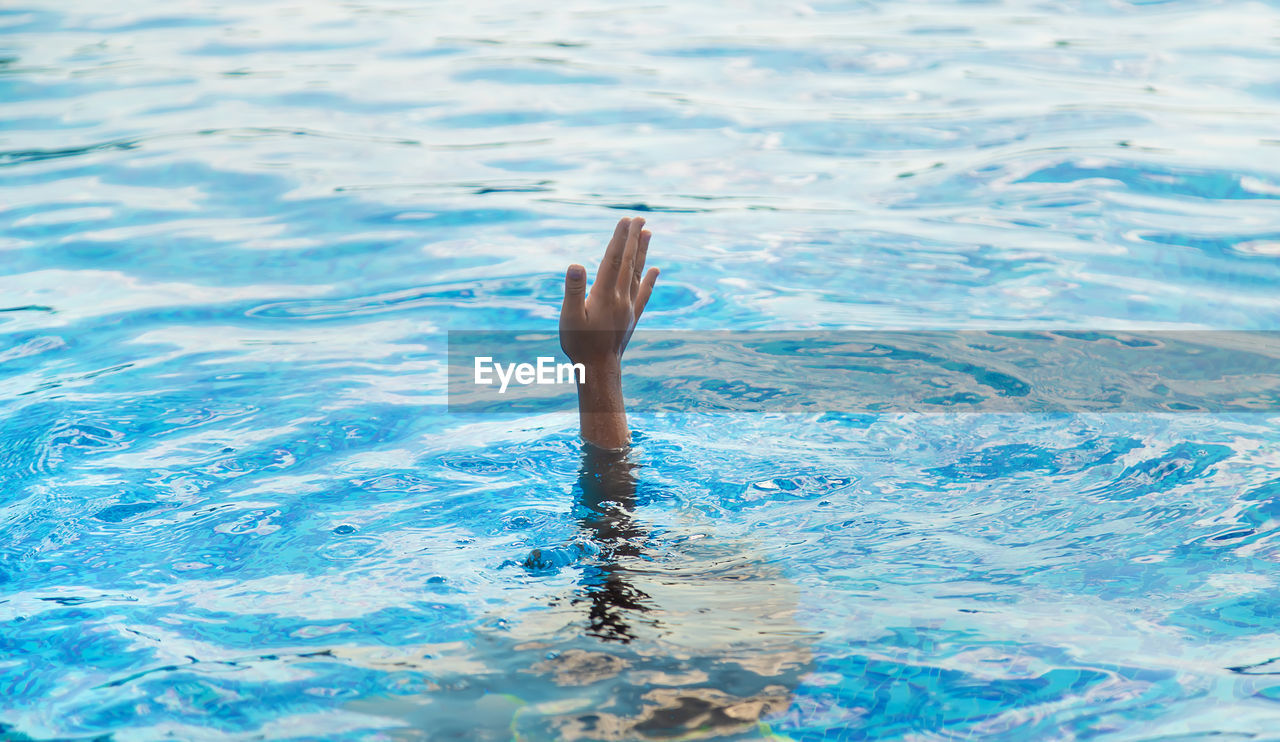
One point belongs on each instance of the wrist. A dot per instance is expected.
(601, 370)
(602, 413)
(603, 363)
(601, 388)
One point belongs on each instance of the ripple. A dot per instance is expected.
(532, 76)
(127, 511)
(556, 557)
(350, 549)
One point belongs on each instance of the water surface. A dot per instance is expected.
(235, 506)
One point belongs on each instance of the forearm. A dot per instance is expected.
(601, 412)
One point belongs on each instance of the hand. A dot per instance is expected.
(595, 329)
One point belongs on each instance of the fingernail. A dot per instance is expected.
(577, 272)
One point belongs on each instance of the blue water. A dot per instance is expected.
(234, 506)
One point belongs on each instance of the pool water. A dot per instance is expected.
(235, 506)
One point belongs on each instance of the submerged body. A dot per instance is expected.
(670, 636)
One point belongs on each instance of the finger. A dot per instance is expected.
(629, 256)
(607, 273)
(575, 292)
(646, 288)
(638, 272)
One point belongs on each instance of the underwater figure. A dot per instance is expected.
(668, 634)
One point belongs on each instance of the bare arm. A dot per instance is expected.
(595, 329)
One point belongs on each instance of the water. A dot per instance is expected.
(234, 505)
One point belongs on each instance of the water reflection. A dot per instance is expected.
(606, 506)
(670, 635)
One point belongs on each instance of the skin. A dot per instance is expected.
(595, 329)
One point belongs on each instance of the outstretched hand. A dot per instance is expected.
(595, 328)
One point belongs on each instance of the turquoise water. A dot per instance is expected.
(234, 505)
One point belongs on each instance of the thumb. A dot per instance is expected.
(575, 292)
